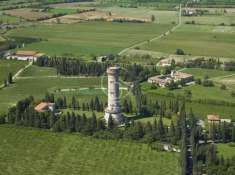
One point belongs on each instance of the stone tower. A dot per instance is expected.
(113, 109)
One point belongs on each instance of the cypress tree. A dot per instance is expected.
(110, 122)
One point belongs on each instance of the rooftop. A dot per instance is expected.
(41, 107)
(213, 117)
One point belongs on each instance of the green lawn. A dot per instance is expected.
(198, 40)
(36, 71)
(27, 151)
(227, 150)
(161, 16)
(211, 73)
(38, 86)
(63, 10)
(198, 92)
(200, 109)
(88, 38)
(227, 19)
(9, 19)
(10, 66)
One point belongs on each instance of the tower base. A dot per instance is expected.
(117, 117)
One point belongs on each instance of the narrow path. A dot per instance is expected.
(157, 37)
(21, 70)
(18, 73)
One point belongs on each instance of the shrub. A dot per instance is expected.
(180, 52)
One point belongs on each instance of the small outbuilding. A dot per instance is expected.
(45, 107)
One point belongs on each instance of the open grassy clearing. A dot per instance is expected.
(161, 17)
(63, 11)
(27, 14)
(198, 92)
(10, 66)
(39, 86)
(217, 76)
(82, 39)
(200, 110)
(198, 40)
(227, 150)
(9, 19)
(228, 81)
(36, 71)
(32, 151)
(166, 56)
(211, 73)
(211, 19)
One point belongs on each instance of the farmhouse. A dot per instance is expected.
(212, 118)
(45, 107)
(26, 55)
(163, 80)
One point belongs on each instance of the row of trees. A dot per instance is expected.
(212, 63)
(69, 66)
(24, 114)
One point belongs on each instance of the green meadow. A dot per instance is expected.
(33, 151)
(227, 150)
(210, 73)
(10, 66)
(161, 16)
(217, 41)
(63, 10)
(200, 92)
(9, 19)
(37, 81)
(88, 38)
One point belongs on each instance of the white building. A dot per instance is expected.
(26, 55)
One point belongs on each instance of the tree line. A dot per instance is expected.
(24, 114)
(70, 66)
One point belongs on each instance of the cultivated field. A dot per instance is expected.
(27, 14)
(82, 39)
(9, 19)
(32, 151)
(198, 40)
(161, 17)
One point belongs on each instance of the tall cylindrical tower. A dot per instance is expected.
(113, 109)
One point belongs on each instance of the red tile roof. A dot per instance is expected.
(213, 117)
(43, 106)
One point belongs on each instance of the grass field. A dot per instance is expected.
(198, 40)
(9, 19)
(27, 14)
(161, 17)
(9, 66)
(36, 71)
(211, 73)
(38, 86)
(63, 10)
(227, 150)
(88, 38)
(198, 92)
(26, 151)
